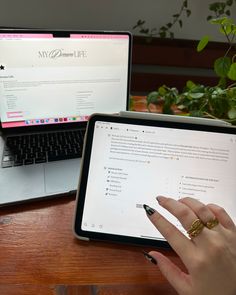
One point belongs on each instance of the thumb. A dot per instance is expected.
(179, 280)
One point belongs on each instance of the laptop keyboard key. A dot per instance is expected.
(28, 161)
(7, 164)
(40, 148)
(40, 160)
(7, 158)
(18, 163)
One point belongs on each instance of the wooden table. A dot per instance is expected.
(40, 255)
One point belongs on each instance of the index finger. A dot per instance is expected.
(178, 241)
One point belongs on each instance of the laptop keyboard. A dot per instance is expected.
(41, 148)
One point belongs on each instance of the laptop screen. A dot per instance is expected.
(62, 77)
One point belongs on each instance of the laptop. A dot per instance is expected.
(50, 83)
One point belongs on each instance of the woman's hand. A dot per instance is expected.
(209, 256)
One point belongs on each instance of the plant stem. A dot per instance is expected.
(226, 35)
(231, 85)
(203, 105)
(180, 12)
(231, 44)
(226, 53)
(210, 115)
(232, 40)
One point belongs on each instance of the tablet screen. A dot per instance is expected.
(131, 164)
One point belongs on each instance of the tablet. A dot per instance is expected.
(128, 162)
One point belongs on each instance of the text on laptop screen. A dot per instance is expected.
(51, 80)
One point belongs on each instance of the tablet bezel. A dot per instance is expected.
(82, 186)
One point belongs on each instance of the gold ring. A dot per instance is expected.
(196, 228)
(212, 223)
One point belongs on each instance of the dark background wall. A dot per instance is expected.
(106, 15)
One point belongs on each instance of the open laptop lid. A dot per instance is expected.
(56, 79)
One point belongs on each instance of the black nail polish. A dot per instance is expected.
(149, 258)
(149, 210)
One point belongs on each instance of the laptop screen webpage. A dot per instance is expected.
(132, 164)
(56, 80)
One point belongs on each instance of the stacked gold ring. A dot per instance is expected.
(196, 228)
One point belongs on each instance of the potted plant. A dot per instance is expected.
(200, 100)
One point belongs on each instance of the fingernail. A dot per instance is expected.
(149, 210)
(160, 199)
(149, 257)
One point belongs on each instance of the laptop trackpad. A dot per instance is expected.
(62, 176)
(22, 183)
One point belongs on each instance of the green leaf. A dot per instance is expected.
(222, 66)
(144, 31)
(167, 106)
(229, 2)
(226, 29)
(198, 88)
(188, 12)
(181, 107)
(196, 95)
(162, 91)
(131, 103)
(213, 6)
(232, 72)
(172, 35)
(218, 21)
(227, 21)
(190, 84)
(167, 110)
(209, 17)
(222, 82)
(141, 22)
(203, 43)
(152, 97)
(162, 34)
(232, 113)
